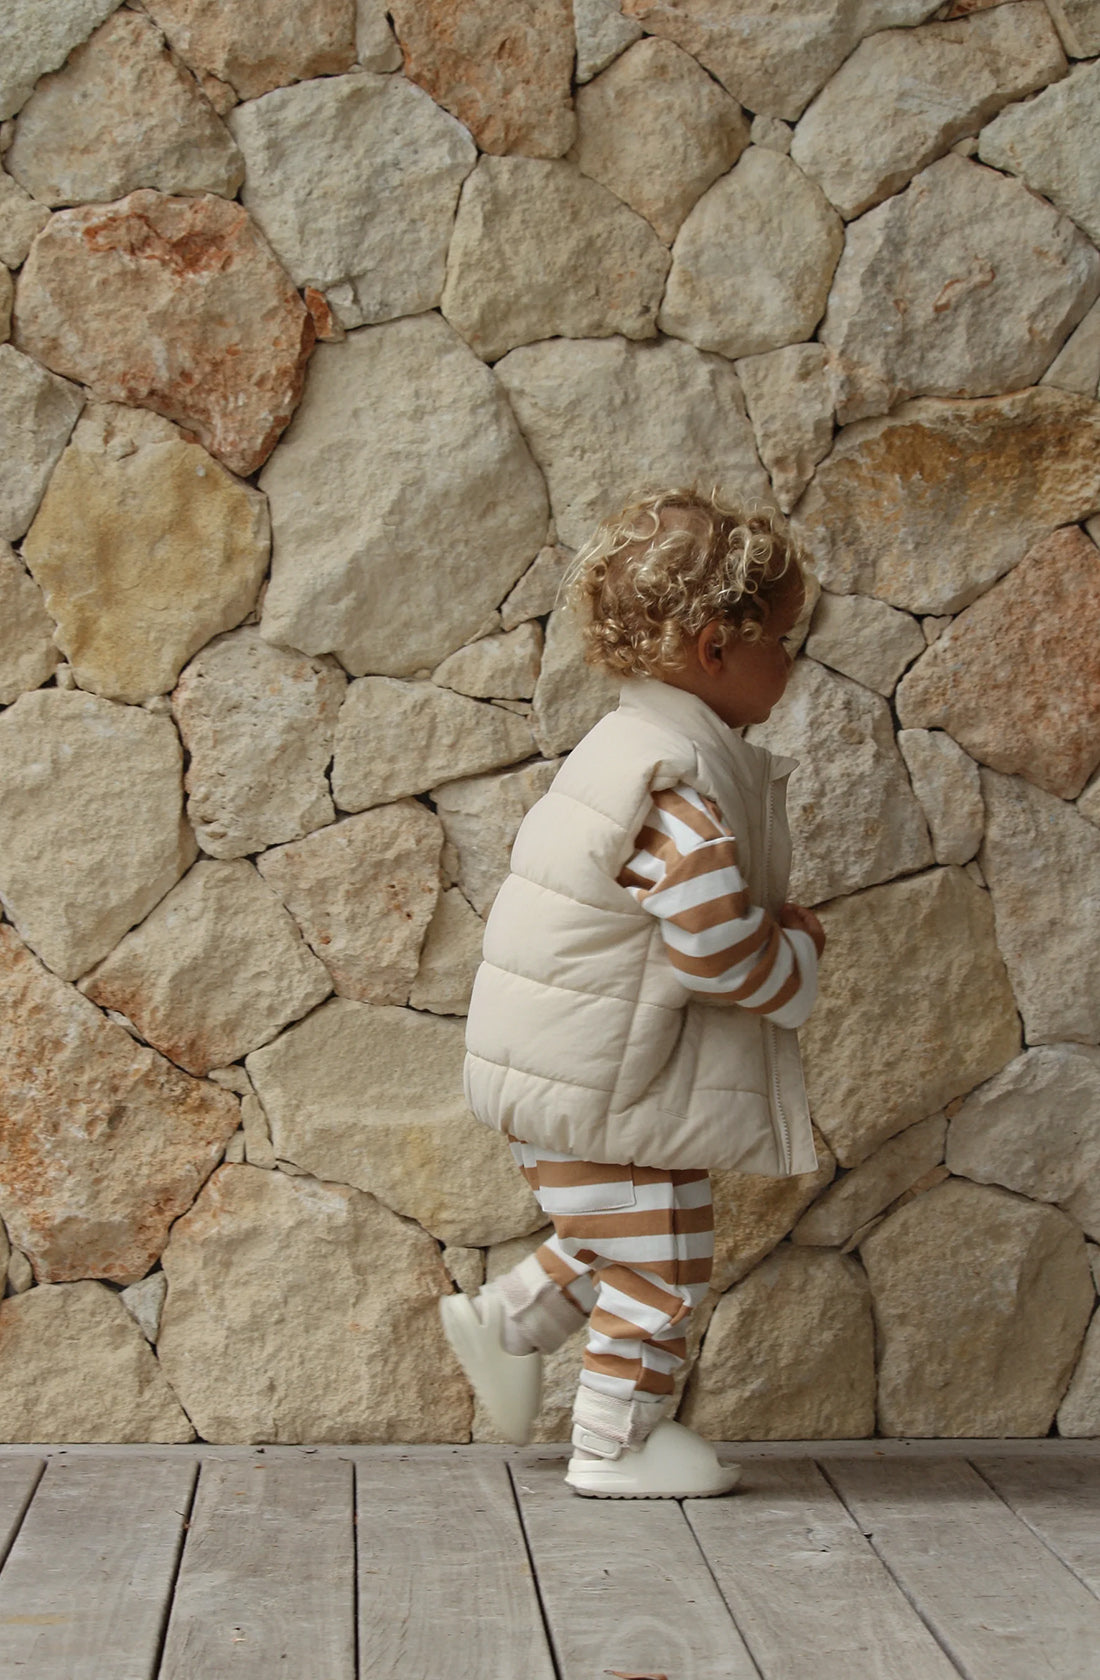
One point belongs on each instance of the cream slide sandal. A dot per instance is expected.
(509, 1385)
(672, 1463)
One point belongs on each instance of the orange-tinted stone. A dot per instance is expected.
(174, 304)
(503, 70)
(1016, 679)
(103, 1142)
(257, 45)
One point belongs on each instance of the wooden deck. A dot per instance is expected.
(865, 1561)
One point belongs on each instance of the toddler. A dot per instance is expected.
(632, 1025)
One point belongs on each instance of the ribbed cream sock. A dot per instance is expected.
(537, 1314)
(605, 1426)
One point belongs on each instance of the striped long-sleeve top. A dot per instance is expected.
(685, 871)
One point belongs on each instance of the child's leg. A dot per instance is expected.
(647, 1235)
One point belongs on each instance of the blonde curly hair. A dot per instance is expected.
(651, 576)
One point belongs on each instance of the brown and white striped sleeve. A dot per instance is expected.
(685, 870)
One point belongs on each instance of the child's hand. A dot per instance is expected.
(794, 915)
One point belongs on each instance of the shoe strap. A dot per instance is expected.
(588, 1441)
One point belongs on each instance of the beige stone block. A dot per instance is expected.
(906, 95)
(217, 968)
(657, 130)
(145, 548)
(536, 593)
(1050, 141)
(789, 395)
(541, 251)
(981, 1301)
(606, 417)
(259, 724)
(1042, 862)
(864, 639)
(854, 1199)
(772, 58)
(144, 1301)
(965, 284)
(20, 1276)
(363, 892)
(1079, 26)
(481, 817)
(104, 1142)
(1035, 1128)
(1014, 678)
(37, 412)
(258, 1149)
(771, 132)
(77, 1368)
(853, 815)
(353, 181)
(87, 783)
(174, 304)
(788, 1354)
(1077, 365)
(38, 39)
(754, 260)
(503, 70)
(753, 1214)
(372, 1097)
(869, 1077)
(466, 1267)
(121, 114)
(396, 738)
(362, 516)
(450, 957)
(948, 785)
(20, 219)
(501, 667)
(571, 696)
(28, 655)
(256, 45)
(602, 34)
(376, 46)
(910, 508)
(300, 1311)
(1079, 1413)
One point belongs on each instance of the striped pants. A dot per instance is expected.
(632, 1247)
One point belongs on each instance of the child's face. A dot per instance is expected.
(740, 680)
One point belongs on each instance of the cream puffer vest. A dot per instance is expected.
(581, 1036)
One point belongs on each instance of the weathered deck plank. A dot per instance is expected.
(18, 1477)
(808, 1593)
(998, 1600)
(266, 1584)
(624, 1584)
(85, 1590)
(445, 1586)
(1060, 1501)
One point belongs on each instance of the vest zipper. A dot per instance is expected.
(769, 1026)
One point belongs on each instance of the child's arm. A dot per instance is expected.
(685, 871)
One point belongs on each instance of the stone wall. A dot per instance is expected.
(281, 671)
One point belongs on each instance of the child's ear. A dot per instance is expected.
(711, 647)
